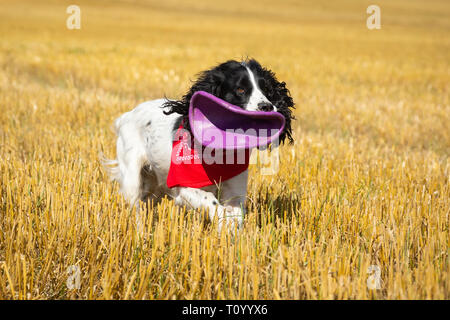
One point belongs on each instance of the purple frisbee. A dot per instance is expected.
(218, 124)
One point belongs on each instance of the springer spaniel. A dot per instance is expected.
(146, 135)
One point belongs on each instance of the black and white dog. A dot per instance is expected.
(145, 137)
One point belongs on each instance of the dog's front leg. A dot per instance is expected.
(198, 199)
(233, 195)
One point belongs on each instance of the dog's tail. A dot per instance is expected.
(111, 167)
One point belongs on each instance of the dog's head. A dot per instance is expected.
(245, 84)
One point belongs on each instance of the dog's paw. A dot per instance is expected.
(231, 217)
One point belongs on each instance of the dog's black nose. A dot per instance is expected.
(265, 106)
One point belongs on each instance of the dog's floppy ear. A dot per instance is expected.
(282, 99)
(218, 77)
(209, 81)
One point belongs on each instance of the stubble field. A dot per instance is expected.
(363, 194)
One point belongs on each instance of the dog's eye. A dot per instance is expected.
(240, 90)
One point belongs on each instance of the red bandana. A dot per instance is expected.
(195, 166)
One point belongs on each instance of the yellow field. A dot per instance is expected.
(365, 184)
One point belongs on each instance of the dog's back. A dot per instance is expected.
(143, 150)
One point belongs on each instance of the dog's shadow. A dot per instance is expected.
(271, 208)
(267, 208)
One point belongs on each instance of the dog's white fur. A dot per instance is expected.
(144, 147)
(257, 96)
